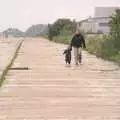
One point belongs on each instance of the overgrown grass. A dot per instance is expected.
(116, 58)
(63, 39)
(103, 47)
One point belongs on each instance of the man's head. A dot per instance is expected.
(77, 32)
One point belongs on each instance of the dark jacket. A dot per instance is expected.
(67, 53)
(78, 41)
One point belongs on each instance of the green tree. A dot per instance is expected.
(52, 31)
(61, 26)
(115, 29)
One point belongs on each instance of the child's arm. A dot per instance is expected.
(64, 52)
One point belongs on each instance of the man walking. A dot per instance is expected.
(77, 43)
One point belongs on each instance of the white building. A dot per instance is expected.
(100, 22)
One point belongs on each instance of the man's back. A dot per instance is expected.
(78, 41)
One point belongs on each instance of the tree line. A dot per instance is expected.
(61, 26)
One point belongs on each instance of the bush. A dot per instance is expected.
(103, 47)
(94, 45)
(61, 27)
(62, 39)
(115, 29)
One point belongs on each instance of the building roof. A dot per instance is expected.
(101, 13)
(95, 18)
(105, 11)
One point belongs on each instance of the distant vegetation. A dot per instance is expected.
(33, 31)
(62, 30)
(37, 30)
(13, 32)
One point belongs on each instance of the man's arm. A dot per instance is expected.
(71, 44)
(83, 41)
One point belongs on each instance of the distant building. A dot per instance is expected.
(100, 22)
(104, 11)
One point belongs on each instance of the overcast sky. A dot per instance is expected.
(23, 13)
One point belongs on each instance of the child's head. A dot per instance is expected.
(69, 48)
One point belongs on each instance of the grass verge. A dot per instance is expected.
(2, 77)
(103, 47)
